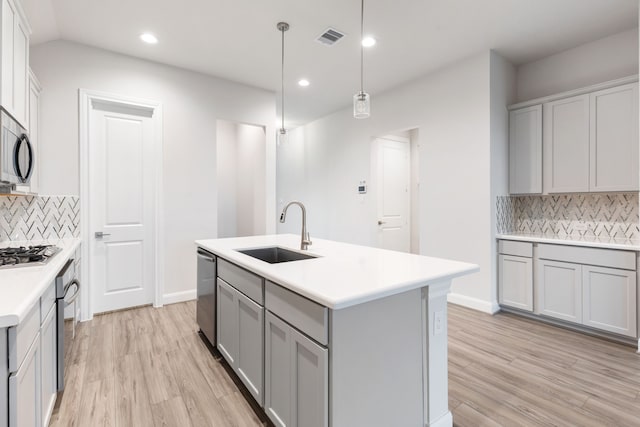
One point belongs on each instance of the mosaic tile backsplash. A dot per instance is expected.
(612, 215)
(39, 217)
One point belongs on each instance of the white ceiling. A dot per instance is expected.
(238, 39)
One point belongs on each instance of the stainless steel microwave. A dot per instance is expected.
(17, 158)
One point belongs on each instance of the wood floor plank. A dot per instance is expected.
(133, 406)
(237, 409)
(171, 413)
(100, 352)
(97, 407)
(158, 376)
(466, 416)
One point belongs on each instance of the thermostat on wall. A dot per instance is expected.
(362, 187)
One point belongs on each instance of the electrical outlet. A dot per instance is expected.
(438, 322)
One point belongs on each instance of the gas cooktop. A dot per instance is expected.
(27, 256)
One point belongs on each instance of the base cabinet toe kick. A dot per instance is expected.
(307, 365)
(592, 290)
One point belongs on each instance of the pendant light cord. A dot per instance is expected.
(361, 47)
(282, 30)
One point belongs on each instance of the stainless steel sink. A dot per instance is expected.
(275, 254)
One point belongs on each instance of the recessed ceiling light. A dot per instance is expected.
(368, 41)
(149, 38)
(303, 82)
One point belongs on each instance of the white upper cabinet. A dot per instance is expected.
(14, 66)
(581, 141)
(614, 139)
(566, 145)
(525, 150)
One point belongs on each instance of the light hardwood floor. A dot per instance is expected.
(149, 367)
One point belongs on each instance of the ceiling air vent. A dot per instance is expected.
(330, 36)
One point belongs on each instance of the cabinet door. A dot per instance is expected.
(614, 139)
(24, 390)
(515, 282)
(309, 382)
(227, 322)
(250, 360)
(9, 16)
(34, 129)
(277, 373)
(20, 71)
(609, 299)
(566, 145)
(559, 286)
(48, 336)
(525, 150)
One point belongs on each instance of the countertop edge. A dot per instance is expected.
(569, 242)
(16, 316)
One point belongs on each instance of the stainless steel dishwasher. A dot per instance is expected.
(206, 292)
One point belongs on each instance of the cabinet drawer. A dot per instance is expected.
(21, 337)
(591, 256)
(300, 312)
(244, 281)
(510, 247)
(47, 300)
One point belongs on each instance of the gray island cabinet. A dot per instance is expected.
(354, 336)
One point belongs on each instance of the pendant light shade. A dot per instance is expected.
(361, 100)
(282, 132)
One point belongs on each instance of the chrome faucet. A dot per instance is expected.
(305, 239)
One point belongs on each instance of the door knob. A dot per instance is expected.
(381, 222)
(100, 234)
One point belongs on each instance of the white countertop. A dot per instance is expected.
(21, 287)
(343, 275)
(593, 242)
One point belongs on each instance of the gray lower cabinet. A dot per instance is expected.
(296, 377)
(4, 378)
(560, 290)
(515, 282)
(48, 336)
(609, 299)
(24, 390)
(240, 324)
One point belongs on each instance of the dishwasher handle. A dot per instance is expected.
(75, 283)
(206, 256)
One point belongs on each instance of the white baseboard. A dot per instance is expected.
(179, 297)
(474, 303)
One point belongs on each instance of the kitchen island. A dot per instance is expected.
(353, 336)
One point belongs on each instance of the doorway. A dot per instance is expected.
(396, 176)
(121, 154)
(241, 175)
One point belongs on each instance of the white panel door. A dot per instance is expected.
(122, 194)
(393, 195)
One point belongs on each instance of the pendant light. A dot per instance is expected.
(361, 100)
(282, 132)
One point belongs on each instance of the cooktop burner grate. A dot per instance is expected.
(27, 255)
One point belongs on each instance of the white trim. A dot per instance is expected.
(444, 421)
(175, 297)
(575, 92)
(474, 303)
(86, 97)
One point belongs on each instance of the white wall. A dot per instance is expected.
(191, 102)
(250, 172)
(605, 59)
(226, 175)
(323, 162)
